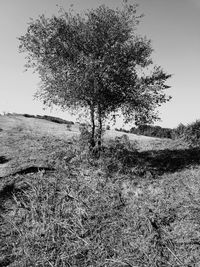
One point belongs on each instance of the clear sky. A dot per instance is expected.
(172, 25)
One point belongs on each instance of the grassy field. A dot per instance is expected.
(136, 205)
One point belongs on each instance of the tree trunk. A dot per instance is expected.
(100, 127)
(92, 139)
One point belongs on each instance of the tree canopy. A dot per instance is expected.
(96, 62)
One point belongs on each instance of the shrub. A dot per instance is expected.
(191, 134)
(179, 131)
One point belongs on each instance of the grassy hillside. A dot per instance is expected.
(136, 205)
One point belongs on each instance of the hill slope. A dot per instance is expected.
(59, 206)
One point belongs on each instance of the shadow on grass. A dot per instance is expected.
(31, 169)
(159, 162)
(5, 193)
(3, 159)
(9, 189)
(171, 160)
(6, 261)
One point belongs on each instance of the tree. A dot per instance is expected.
(96, 63)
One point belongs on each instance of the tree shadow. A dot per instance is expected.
(5, 193)
(3, 159)
(165, 161)
(7, 260)
(10, 188)
(31, 169)
(159, 162)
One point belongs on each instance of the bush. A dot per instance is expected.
(191, 134)
(179, 131)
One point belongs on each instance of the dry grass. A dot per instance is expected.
(136, 205)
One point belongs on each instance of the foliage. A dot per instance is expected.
(96, 63)
(150, 130)
(178, 132)
(191, 133)
(154, 131)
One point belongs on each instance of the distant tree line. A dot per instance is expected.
(49, 118)
(189, 133)
(150, 130)
(154, 131)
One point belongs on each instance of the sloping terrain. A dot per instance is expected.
(42, 126)
(135, 205)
